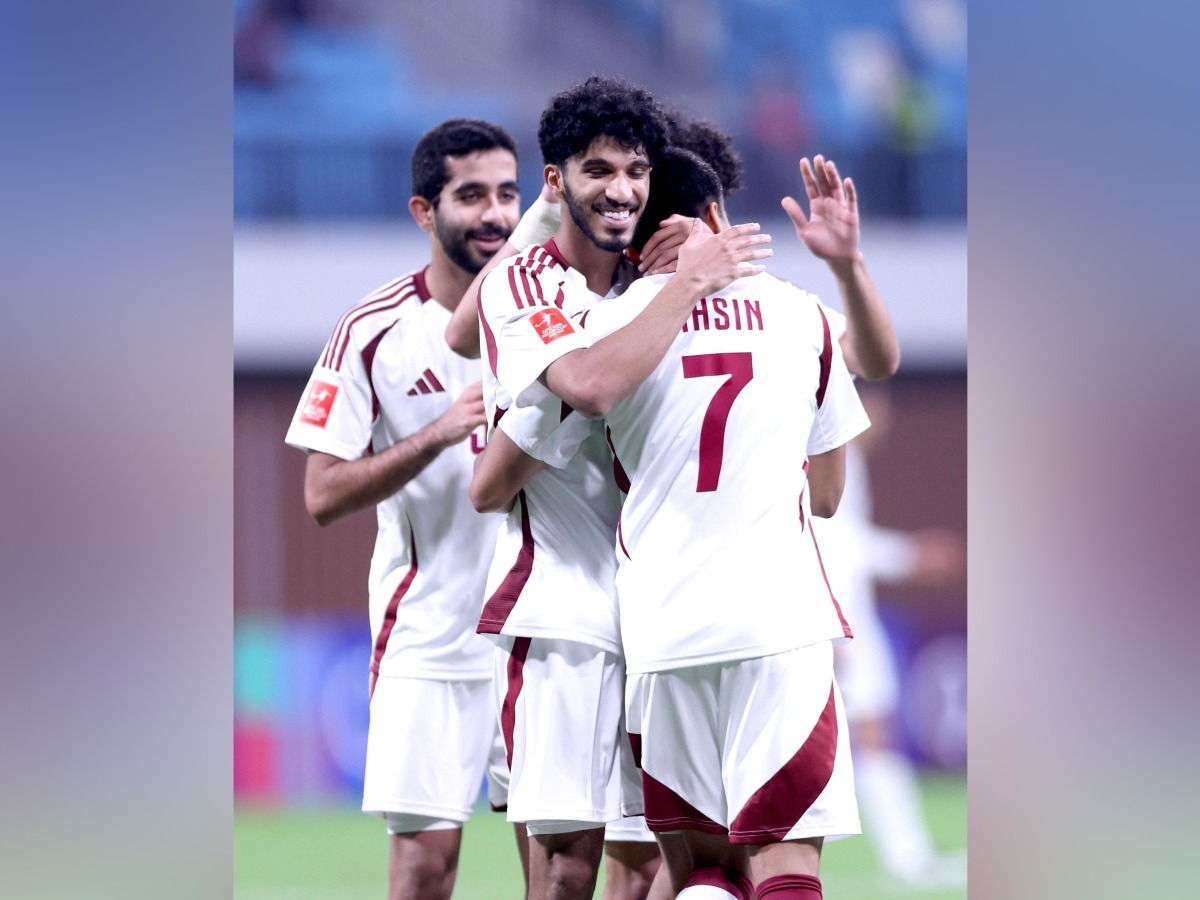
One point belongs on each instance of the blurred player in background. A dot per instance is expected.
(550, 596)
(857, 553)
(392, 418)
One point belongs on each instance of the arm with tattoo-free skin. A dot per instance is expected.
(831, 232)
(594, 379)
(336, 487)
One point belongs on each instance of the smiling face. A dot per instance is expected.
(606, 188)
(476, 210)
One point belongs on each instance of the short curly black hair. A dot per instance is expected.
(601, 106)
(684, 184)
(710, 143)
(454, 137)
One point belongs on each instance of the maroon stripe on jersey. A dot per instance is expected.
(516, 291)
(837, 606)
(582, 319)
(667, 811)
(380, 300)
(826, 358)
(421, 286)
(778, 805)
(433, 380)
(382, 305)
(805, 467)
(387, 292)
(618, 469)
(500, 604)
(552, 248)
(565, 411)
(516, 681)
(499, 415)
(389, 617)
(621, 539)
(368, 358)
(423, 387)
(489, 339)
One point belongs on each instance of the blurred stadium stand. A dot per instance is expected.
(331, 95)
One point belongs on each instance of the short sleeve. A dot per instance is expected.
(523, 330)
(336, 412)
(549, 430)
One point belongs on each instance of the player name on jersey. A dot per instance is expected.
(725, 314)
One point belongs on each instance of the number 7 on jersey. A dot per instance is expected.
(740, 369)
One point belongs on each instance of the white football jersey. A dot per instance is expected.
(712, 445)
(553, 571)
(386, 373)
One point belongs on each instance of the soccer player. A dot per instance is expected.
(727, 627)
(550, 604)
(385, 421)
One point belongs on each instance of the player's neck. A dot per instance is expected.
(446, 282)
(598, 266)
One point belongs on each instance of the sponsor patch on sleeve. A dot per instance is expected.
(551, 324)
(317, 404)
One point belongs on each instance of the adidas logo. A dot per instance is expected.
(426, 384)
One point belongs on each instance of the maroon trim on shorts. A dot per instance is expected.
(516, 681)
(778, 805)
(728, 880)
(635, 744)
(389, 617)
(667, 811)
(498, 607)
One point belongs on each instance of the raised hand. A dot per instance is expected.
(831, 229)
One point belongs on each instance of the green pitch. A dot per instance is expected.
(341, 854)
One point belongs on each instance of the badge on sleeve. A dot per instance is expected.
(318, 403)
(551, 324)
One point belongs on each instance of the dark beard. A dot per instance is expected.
(455, 246)
(579, 215)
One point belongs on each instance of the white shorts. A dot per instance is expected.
(757, 748)
(561, 711)
(630, 828)
(866, 670)
(427, 748)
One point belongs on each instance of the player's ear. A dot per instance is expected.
(713, 218)
(422, 212)
(554, 180)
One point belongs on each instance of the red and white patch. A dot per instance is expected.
(551, 324)
(317, 404)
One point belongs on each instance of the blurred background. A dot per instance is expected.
(330, 97)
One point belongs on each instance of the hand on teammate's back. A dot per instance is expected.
(715, 260)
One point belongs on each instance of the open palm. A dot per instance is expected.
(830, 230)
